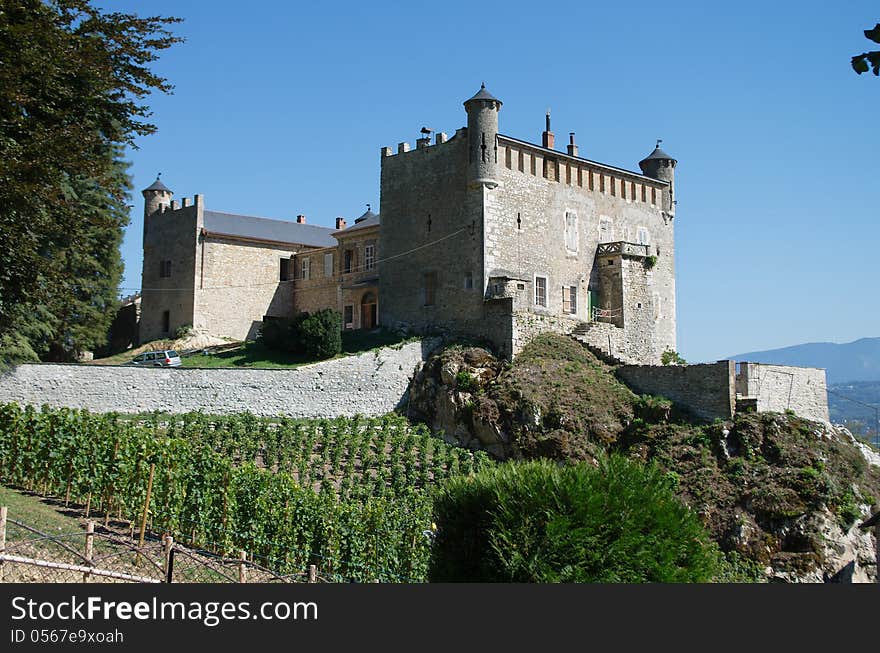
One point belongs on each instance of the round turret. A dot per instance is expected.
(155, 195)
(482, 110)
(659, 165)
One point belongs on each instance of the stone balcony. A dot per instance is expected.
(623, 248)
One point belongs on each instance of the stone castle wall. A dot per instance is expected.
(706, 390)
(431, 225)
(169, 235)
(237, 283)
(525, 234)
(778, 388)
(371, 383)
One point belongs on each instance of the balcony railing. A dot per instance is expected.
(622, 247)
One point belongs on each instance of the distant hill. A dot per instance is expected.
(849, 362)
(846, 403)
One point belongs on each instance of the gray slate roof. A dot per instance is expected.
(658, 154)
(368, 219)
(483, 94)
(283, 231)
(158, 185)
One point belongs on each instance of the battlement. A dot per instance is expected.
(538, 161)
(197, 201)
(421, 144)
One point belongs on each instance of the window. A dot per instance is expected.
(430, 288)
(166, 321)
(571, 231)
(369, 257)
(468, 281)
(348, 260)
(541, 291)
(569, 299)
(606, 230)
(348, 317)
(284, 272)
(306, 269)
(644, 236)
(328, 265)
(165, 269)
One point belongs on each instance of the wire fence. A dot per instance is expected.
(102, 555)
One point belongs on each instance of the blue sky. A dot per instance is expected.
(281, 108)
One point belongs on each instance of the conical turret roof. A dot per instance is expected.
(657, 154)
(483, 95)
(158, 185)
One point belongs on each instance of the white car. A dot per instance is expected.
(161, 358)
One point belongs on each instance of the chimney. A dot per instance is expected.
(547, 136)
(300, 219)
(340, 223)
(572, 148)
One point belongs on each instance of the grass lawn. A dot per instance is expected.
(31, 510)
(254, 354)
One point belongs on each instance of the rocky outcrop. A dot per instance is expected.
(783, 493)
(448, 393)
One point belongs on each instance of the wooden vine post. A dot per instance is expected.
(242, 568)
(90, 548)
(3, 510)
(144, 515)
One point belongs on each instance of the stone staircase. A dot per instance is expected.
(601, 339)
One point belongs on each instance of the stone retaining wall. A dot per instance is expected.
(706, 390)
(371, 383)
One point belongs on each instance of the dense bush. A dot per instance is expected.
(540, 522)
(321, 334)
(283, 334)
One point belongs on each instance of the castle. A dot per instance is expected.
(480, 234)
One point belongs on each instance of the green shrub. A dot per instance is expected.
(670, 357)
(653, 409)
(321, 334)
(466, 383)
(650, 261)
(540, 522)
(283, 334)
(183, 331)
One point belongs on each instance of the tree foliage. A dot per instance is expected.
(72, 84)
(861, 63)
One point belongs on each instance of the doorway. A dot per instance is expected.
(368, 311)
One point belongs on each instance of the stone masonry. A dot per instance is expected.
(706, 390)
(718, 390)
(372, 383)
(495, 237)
(778, 388)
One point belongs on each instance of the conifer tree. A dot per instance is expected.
(73, 80)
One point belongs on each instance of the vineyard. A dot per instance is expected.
(347, 494)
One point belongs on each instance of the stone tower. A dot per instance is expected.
(482, 110)
(155, 195)
(659, 165)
